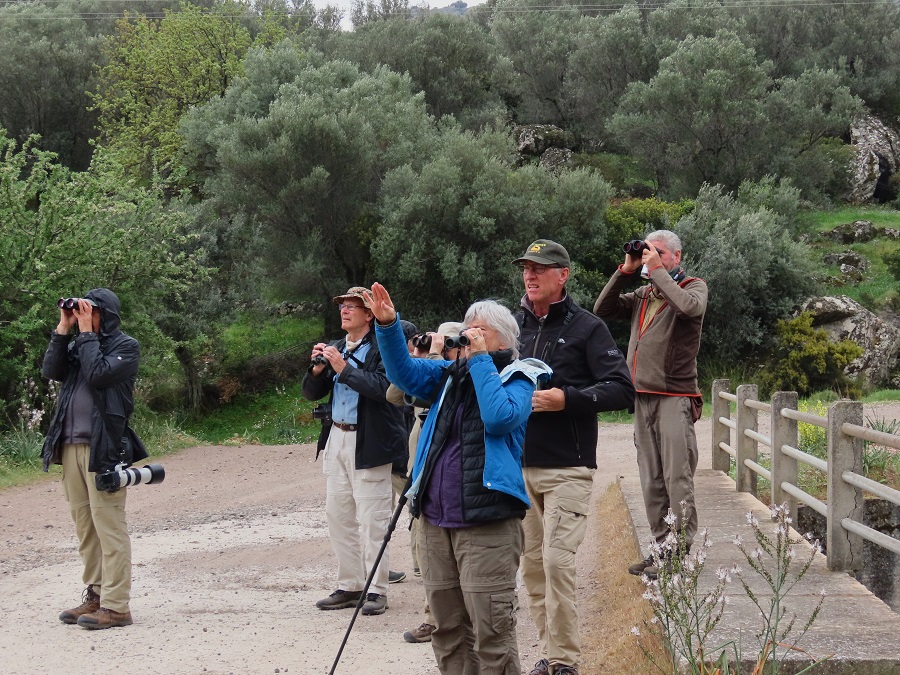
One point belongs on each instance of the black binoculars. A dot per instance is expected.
(635, 248)
(72, 303)
(423, 341)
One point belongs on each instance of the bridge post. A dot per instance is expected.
(721, 460)
(784, 432)
(744, 477)
(845, 453)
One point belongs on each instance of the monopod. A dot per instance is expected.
(401, 502)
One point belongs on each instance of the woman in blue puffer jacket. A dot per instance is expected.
(466, 484)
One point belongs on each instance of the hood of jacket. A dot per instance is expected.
(109, 305)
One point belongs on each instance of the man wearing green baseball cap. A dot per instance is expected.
(560, 454)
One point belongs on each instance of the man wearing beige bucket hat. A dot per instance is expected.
(366, 436)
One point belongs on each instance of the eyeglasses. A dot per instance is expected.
(350, 308)
(538, 269)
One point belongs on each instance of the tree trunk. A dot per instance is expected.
(193, 383)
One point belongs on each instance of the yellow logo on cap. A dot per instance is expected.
(536, 248)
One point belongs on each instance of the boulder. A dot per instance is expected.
(851, 258)
(845, 319)
(853, 274)
(877, 157)
(852, 233)
(534, 139)
(556, 159)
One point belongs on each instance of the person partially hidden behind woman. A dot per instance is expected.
(467, 486)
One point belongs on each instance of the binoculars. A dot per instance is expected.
(423, 341)
(72, 303)
(635, 248)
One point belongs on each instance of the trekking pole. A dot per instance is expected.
(362, 598)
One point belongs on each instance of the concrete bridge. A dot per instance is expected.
(857, 631)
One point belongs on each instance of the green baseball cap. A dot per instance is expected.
(545, 252)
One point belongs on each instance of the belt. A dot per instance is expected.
(346, 427)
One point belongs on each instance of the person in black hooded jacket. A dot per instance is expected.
(97, 366)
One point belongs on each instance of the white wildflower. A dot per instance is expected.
(635, 631)
(752, 519)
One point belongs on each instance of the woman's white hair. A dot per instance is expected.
(500, 319)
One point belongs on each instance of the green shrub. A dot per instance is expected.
(806, 360)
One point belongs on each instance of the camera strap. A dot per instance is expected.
(349, 355)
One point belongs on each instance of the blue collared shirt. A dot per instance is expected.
(345, 402)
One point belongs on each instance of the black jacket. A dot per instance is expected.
(479, 504)
(109, 364)
(589, 368)
(383, 434)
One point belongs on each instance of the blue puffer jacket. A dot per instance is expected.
(503, 402)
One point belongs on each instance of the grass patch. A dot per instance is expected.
(608, 645)
(251, 337)
(274, 417)
(878, 285)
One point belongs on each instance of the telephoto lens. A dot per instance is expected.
(112, 481)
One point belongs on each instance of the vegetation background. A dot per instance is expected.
(227, 167)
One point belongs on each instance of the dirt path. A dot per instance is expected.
(230, 554)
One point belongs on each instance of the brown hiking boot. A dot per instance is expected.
(104, 618)
(90, 602)
(420, 634)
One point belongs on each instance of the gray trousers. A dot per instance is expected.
(667, 459)
(470, 584)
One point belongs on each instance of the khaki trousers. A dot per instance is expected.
(470, 584)
(103, 541)
(667, 459)
(555, 526)
(358, 511)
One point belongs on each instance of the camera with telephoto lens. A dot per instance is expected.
(322, 412)
(72, 303)
(112, 481)
(460, 340)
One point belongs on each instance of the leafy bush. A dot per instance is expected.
(806, 360)
(746, 248)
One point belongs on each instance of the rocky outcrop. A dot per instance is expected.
(533, 140)
(845, 319)
(852, 233)
(877, 157)
(556, 159)
(851, 258)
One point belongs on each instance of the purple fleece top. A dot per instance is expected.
(442, 501)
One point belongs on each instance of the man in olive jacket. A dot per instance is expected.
(366, 437)
(666, 318)
(98, 367)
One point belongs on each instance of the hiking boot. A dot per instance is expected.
(417, 572)
(340, 600)
(104, 618)
(396, 577)
(638, 568)
(565, 670)
(542, 667)
(420, 634)
(375, 604)
(90, 602)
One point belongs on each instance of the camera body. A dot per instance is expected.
(72, 303)
(112, 481)
(322, 412)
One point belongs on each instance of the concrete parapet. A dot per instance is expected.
(859, 632)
